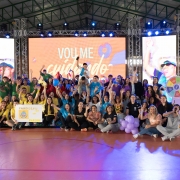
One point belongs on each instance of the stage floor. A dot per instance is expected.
(50, 154)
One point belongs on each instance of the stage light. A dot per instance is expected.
(7, 35)
(149, 33)
(85, 34)
(93, 24)
(167, 32)
(50, 34)
(111, 34)
(156, 33)
(117, 26)
(65, 26)
(148, 25)
(103, 34)
(163, 24)
(76, 34)
(39, 26)
(42, 34)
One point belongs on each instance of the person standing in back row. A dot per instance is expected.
(83, 76)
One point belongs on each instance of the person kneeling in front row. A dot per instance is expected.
(109, 121)
(173, 125)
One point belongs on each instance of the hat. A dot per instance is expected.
(168, 62)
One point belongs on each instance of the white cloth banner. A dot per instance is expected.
(28, 113)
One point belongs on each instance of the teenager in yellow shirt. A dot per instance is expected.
(49, 112)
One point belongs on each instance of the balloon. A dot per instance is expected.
(136, 120)
(130, 126)
(124, 124)
(120, 121)
(134, 131)
(129, 119)
(136, 124)
(122, 128)
(127, 130)
(55, 82)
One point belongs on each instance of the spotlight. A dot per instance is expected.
(148, 25)
(39, 26)
(167, 32)
(85, 34)
(156, 33)
(65, 26)
(163, 24)
(42, 34)
(76, 34)
(103, 34)
(117, 26)
(93, 25)
(149, 33)
(7, 35)
(111, 34)
(50, 34)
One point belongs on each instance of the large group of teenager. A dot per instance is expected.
(79, 103)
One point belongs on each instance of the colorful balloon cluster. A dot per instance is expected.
(130, 125)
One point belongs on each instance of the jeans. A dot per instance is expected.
(150, 131)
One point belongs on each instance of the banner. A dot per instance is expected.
(104, 56)
(6, 58)
(159, 52)
(28, 113)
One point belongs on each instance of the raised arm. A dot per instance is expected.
(77, 62)
(146, 61)
(58, 93)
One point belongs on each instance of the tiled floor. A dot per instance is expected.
(50, 154)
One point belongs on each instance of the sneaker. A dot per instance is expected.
(27, 124)
(155, 135)
(53, 123)
(136, 136)
(164, 138)
(172, 138)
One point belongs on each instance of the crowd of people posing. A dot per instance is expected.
(80, 104)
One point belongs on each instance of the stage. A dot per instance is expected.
(50, 154)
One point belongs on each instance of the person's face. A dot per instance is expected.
(155, 80)
(5, 79)
(80, 105)
(50, 80)
(13, 98)
(25, 82)
(110, 78)
(145, 82)
(133, 98)
(95, 79)
(149, 88)
(163, 99)
(106, 99)
(109, 109)
(3, 105)
(94, 109)
(66, 81)
(151, 100)
(155, 88)
(30, 98)
(152, 110)
(6, 98)
(169, 70)
(95, 99)
(127, 80)
(16, 103)
(63, 93)
(51, 94)
(49, 101)
(8, 71)
(19, 81)
(85, 66)
(42, 97)
(34, 81)
(24, 91)
(128, 93)
(44, 71)
(67, 107)
(144, 105)
(66, 96)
